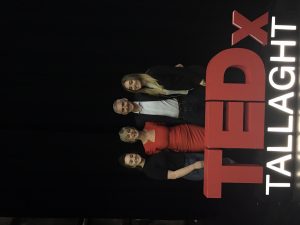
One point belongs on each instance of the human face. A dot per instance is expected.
(123, 106)
(130, 133)
(133, 85)
(132, 159)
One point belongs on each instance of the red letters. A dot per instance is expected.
(240, 126)
(243, 59)
(249, 28)
(215, 174)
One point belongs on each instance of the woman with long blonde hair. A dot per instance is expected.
(164, 80)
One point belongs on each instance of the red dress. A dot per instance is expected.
(180, 138)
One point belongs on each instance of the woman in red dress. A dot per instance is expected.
(156, 137)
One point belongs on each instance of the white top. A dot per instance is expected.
(168, 107)
(175, 92)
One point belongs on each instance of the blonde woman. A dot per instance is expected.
(165, 80)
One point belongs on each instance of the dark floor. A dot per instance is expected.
(84, 221)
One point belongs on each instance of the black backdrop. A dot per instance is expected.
(61, 73)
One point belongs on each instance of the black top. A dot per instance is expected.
(177, 78)
(157, 165)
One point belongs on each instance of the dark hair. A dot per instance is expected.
(122, 162)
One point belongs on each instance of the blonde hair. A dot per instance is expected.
(123, 136)
(147, 80)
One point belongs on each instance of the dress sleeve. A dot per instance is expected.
(158, 173)
(155, 168)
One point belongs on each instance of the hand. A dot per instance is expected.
(203, 83)
(179, 65)
(198, 165)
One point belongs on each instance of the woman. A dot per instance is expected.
(167, 165)
(156, 137)
(164, 80)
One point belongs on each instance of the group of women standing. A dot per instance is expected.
(175, 151)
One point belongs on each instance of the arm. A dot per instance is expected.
(185, 170)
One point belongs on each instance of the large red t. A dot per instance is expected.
(215, 173)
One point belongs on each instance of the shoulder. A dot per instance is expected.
(158, 157)
(154, 68)
(157, 70)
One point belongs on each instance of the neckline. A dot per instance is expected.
(150, 140)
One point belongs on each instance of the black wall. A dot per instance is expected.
(60, 74)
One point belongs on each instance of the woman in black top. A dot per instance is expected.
(167, 165)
